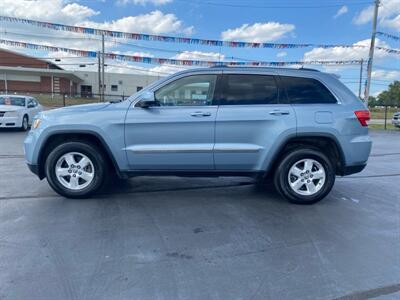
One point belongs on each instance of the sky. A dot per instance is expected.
(285, 21)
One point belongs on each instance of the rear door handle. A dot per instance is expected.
(200, 114)
(279, 112)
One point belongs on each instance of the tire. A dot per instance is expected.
(89, 174)
(25, 123)
(313, 185)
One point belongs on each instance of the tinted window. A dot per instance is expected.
(188, 91)
(306, 90)
(240, 89)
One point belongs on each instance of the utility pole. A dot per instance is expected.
(371, 52)
(102, 67)
(99, 73)
(360, 83)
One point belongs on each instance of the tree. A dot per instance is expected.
(391, 97)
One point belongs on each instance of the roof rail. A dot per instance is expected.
(271, 67)
(308, 69)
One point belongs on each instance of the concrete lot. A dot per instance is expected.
(170, 238)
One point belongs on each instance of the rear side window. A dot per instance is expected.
(306, 91)
(241, 89)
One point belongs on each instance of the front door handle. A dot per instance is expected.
(279, 112)
(200, 114)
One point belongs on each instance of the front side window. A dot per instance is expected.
(193, 90)
(242, 89)
(32, 102)
(114, 88)
(306, 91)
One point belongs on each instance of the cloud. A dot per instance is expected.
(155, 22)
(70, 12)
(281, 54)
(47, 10)
(340, 53)
(386, 75)
(199, 55)
(388, 14)
(392, 23)
(195, 55)
(343, 10)
(258, 32)
(143, 2)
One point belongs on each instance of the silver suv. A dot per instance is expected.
(299, 127)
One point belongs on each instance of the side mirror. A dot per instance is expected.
(31, 105)
(147, 100)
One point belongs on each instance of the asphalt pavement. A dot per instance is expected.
(199, 238)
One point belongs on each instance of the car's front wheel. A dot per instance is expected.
(304, 176)
(75, 169)
(25, 123)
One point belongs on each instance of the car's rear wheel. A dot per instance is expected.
(25, 123)
(304, 176)
(76, 169)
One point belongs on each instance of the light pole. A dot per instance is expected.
(371, 52)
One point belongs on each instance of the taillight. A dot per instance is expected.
(363, 116)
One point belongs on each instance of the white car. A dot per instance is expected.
(18, 111)
(396, 120)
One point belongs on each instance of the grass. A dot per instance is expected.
(379, 113)
(382, 127)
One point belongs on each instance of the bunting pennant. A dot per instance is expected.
(164, 38)
(82, 53)
(392, 51)
(172, 61)
(391, 36)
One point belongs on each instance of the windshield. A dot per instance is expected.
(17, 101)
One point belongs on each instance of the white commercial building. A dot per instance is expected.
(116, 84)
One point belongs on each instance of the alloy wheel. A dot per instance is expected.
(306, 177)
(74, 170)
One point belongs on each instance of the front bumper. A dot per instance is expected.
(10, 122)
(34, 169)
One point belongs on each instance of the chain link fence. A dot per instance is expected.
(52, 100)
(385, 117)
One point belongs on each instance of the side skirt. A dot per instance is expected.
(194, 173)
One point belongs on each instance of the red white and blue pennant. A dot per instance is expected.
(172, 61)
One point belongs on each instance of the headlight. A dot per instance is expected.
(36, 123)
(11, 114)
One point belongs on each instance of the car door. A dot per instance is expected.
(32, 108)
(251, 123)
(178, 133)
(38, 106)
(316, 106)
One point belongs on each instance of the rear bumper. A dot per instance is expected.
(348, 170)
